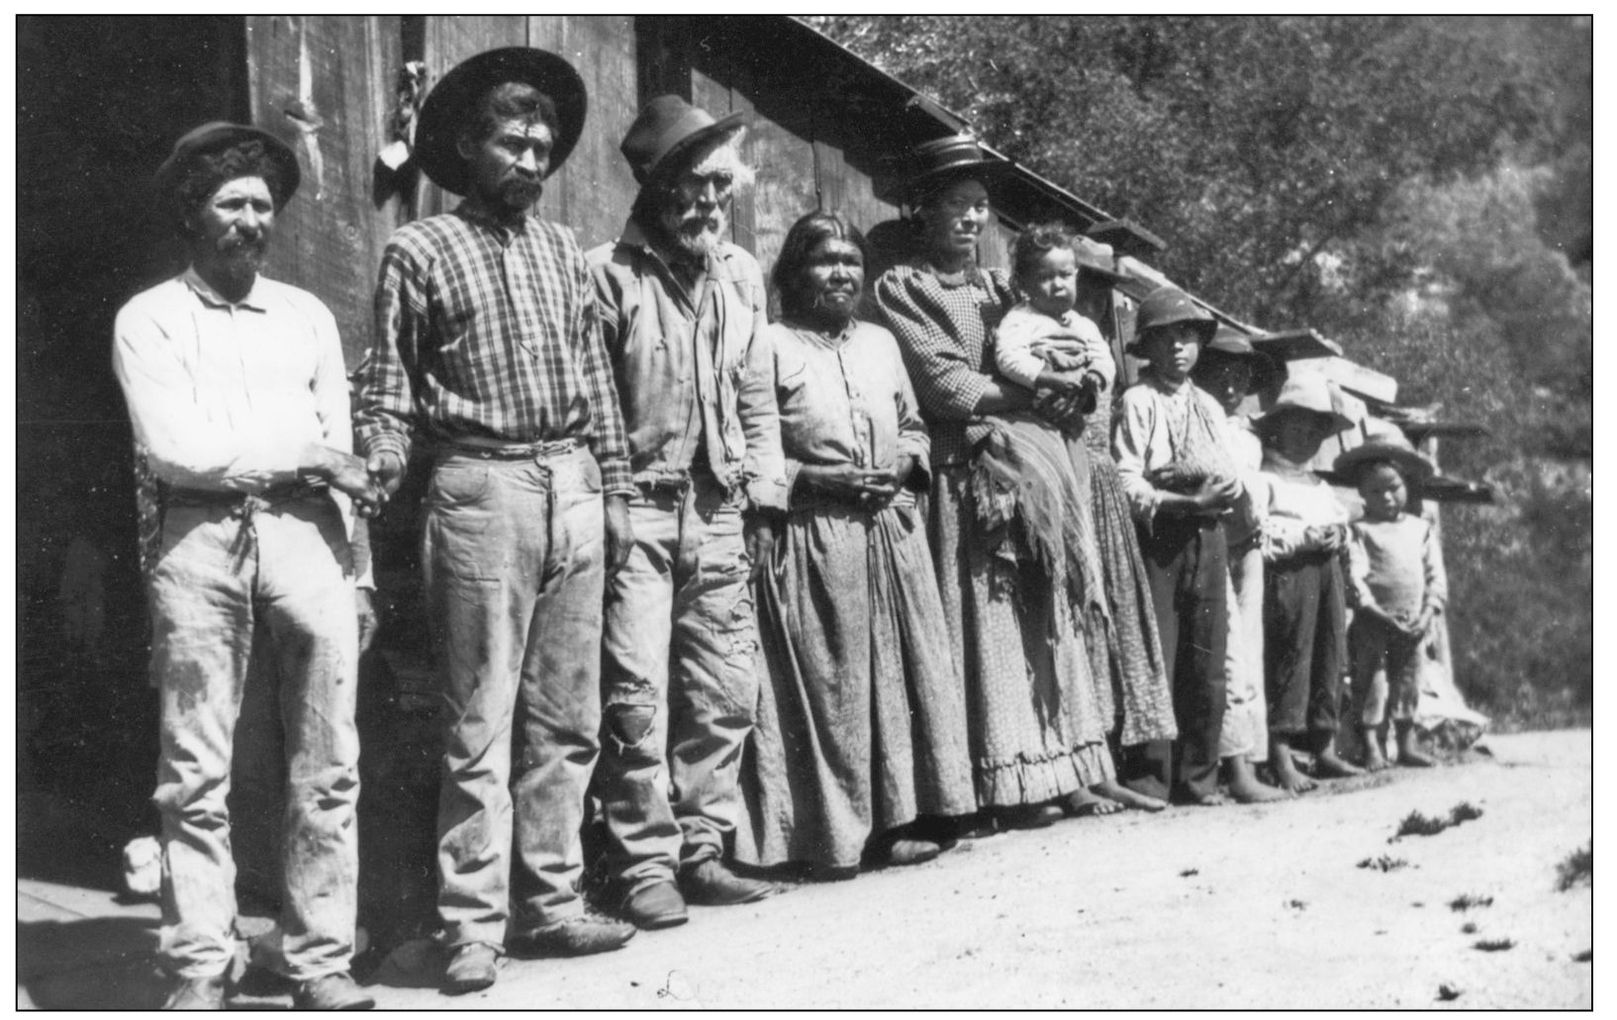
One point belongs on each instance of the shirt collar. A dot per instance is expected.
(1162, 385)
(254, 301)
(478, 216)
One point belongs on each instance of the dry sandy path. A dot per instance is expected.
(1105, 913)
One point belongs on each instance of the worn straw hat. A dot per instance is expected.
(1097, 259)
(1389, 445)
(452, 105)
(1164, 307)
(1307, 392)
(216, 136)
(667, 128)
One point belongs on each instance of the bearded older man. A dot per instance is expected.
(681, 312)
(239, 404)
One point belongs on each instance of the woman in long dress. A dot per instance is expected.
(862, 725)
(1038, 732)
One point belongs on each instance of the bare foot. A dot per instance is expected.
(1415, 758)
(1286, 775)
(1115, 791)
(1081, 803)
(1149, 787)
(1195, 799)
(1244, 784)
(1326, 763)
(1375, 761)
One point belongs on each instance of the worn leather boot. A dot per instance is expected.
(197, 993)
(331, 991)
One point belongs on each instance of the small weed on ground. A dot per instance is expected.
(1577, 869)
(1494, 945)
(1417, 824)
(1466, 901)
(1587, 956)
(1447, 993)
(1468, 928)
(1297, 904)
(1384, 863)
(1189, 872)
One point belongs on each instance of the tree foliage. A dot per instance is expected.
(1412, 187)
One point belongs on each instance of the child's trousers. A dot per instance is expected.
(1386, 672)
(1305, 643)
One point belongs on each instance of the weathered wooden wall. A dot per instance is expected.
(324, 85)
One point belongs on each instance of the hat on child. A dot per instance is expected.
(1165, 306)
(1307, 392)
(1387, 444)
(1233, 345)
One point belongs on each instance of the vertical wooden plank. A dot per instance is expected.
(592, 193)
(449, 39)
(663, 57)
(321, 84)
(994, 250)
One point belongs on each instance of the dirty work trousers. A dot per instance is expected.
(680, 683)
(1305, 643)
(1185, 561)
(1386, 672)
(222, 572)
(514, 557)
(1246, 712)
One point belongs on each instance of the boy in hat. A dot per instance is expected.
(1399, 589)
(1304, 610)
(239, 403)
(1175, 467)
(488, 349)
(1230, 369)
(681, 309)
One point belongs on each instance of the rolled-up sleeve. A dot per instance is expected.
(385, 397)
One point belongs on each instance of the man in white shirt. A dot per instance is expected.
(239, 402)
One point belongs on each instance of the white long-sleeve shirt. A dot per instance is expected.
(1025, 335)
(226, 396)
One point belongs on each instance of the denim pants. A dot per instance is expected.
(221, 574)
(514, 558)
(680, 684)
(1185, 562)
(1305, 643)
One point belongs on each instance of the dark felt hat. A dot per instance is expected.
(216, 136)
(667, 128)
(1233, 345)
(451, 107)
(944, 159)
(1166, 306)
(1097, 260)
(1390, 446)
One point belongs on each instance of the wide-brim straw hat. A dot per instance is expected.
(1307, 392)
(1233, 345)
(933, 163)
(1164, 307)
(1097, 260)
(451, 107)
(216, 136)
(1390, 446)
(667, 129)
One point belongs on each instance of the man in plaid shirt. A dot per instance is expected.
(489, 349)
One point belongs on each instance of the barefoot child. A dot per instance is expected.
(1230, 369)
(1399, 588)
(1175, 467)
(1304, 606)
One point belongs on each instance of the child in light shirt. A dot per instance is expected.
(1399, 590)
(1305, 536)
(1042, 342)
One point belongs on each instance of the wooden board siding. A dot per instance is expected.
(322, 85)
(592, 193)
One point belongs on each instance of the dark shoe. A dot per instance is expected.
(833, 872)
(471, 969)
(912, 851)
(575, 936)
(711, 884)
(197, 993)
(655, 906)
(331, 991)
(1029, 816)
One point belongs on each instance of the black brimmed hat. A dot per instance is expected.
(452, 105)
(216, 136)
(948, 158)
(1233, 345)
(1164, 307)
(667, 128)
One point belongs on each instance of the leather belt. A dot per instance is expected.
(490, 449)
(284, 492)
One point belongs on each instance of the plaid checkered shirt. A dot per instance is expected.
(492, 332)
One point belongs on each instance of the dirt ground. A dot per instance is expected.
(1230, 908)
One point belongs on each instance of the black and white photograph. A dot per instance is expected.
(630, 512)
